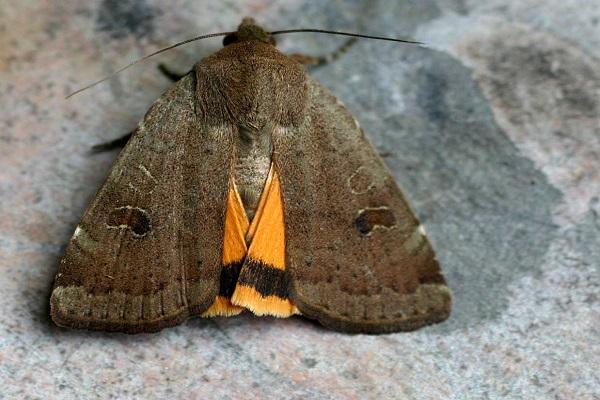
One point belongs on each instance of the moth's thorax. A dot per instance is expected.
(253, 84)
(253, 150)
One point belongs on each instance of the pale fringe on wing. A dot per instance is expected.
(271, 305)
(222, 307)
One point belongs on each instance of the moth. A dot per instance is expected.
(248, 186)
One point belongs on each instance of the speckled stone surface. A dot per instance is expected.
(493, 133)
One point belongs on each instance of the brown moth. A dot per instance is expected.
(248, 186)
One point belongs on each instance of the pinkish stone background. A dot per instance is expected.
(493, 133)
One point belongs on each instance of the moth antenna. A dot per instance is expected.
(147, 57)
(357, 35)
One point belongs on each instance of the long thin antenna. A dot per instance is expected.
(147, 57)
(358, 35)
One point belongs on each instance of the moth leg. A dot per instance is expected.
(169, 73)
(318, 61)
(111, 145)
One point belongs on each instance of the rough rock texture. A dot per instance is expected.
(493, 133)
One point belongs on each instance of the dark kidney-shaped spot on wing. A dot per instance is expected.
(132, 218)
(369, 219)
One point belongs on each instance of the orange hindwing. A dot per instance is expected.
(254, 277)
(234, 253)
(263, 283)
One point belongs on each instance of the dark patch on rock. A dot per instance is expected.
(554, 77)
(124, 17)
(309, 362)
(430, 96)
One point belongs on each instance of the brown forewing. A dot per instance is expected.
(147, 251)
(358, 257)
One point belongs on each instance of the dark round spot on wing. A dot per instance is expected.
(371, 218)
(133, 218)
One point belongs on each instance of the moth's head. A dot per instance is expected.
(248, 31)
